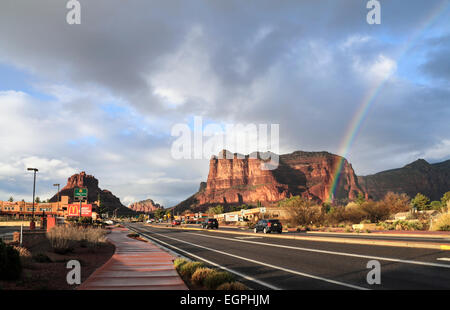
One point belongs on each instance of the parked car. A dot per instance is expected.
(176, 222)
(210, 223)
(268, 226)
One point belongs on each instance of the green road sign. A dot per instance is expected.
(80, 193)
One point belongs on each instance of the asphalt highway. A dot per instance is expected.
(373, 236)
(262, 262)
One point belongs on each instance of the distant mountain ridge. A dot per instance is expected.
(432, 180)
(145, 206)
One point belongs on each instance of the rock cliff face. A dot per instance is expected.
(241, 180)
(432, 180)
(145, 206)
(108, 200)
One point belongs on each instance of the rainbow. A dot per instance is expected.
(369, 99)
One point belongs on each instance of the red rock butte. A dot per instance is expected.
(237, 179)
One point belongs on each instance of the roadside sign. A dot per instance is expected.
(80, 193)
(231, 217)
(262, 210)
(74, 210)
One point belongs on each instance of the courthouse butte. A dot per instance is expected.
(238, 179)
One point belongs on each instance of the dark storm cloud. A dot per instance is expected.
(306, 65)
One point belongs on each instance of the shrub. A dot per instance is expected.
(25, 255)
(216, 278)
(63, 239)
(442, 223)
(10, 264)
(232, 286)
(199, 276)
(302, 212)
(179, 262)
(396, 202)
(188, 269)
(251, 225)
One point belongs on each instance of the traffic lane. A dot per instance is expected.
(280, 279)
(344, 269)
(304, 234)
(8, 229)
(405, 253)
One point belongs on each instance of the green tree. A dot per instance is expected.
(436, 205)
(360, 199)
(11, 199)
(159, 213)
(445, 198)
(37, 200)
(216, 210)
(420, 202)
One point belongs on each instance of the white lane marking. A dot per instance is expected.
(267, 265)
(331, 252)
(447, 259)
(248, 237)
(273, 287)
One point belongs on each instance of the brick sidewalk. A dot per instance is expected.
(135, 265)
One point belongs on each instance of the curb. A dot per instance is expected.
(419, 245)
(436, 236)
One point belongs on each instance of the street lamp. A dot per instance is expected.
(32, 225)
(57, 184)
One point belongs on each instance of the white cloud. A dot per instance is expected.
(439, 151)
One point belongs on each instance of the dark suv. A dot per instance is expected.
(210, 223)
(268, 226)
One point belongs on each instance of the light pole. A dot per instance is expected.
(57, 184)
(32, 225)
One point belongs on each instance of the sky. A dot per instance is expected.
(104, 95)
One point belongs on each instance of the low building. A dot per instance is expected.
(23, 209)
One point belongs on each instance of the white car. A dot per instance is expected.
(109, 222)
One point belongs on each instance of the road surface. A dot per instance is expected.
(267, 263)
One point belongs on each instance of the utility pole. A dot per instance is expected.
(32, 224)
(57, 198)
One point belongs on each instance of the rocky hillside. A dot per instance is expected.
(241, 180)
(145, 206)
(432, 180)
(108, 200)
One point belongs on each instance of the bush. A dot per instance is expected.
(64, 239)
(232, 286)
(442, 223)
(188, 269)
(214, 279)
(10, 264)
(302, 212)
(251, 225)
(199, 276)
(25, 255)
(179, 262)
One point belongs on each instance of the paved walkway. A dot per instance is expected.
(135, 265)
